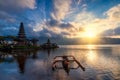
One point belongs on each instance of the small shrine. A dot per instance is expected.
(49, 45)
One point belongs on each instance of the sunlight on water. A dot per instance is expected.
(89, 47)
(91, 56)
(102, 62)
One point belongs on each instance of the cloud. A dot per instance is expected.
(6, 29)
(9, 31)
(88, 20)
(114, 13)
(52, 23)
(17, 4)
(5, 16)
(47, 33)
(109, 32)
(1, 27)
(113, 33)
(80, 22)
(61, 8)
(55, 28)
(111, 22)
(66, 25)
(62, 27)
(117, 31)
(60, 24)
(9, 9)
(78, 2)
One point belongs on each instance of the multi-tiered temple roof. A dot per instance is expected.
(21, 34)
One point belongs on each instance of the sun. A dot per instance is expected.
(89, 33)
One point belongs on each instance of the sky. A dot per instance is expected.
(61, 18)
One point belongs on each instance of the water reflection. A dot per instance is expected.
(19, 57)
(101, 63)
(48, 51)
(6, 58)
(91, 56)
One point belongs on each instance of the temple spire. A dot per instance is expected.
(21, 34)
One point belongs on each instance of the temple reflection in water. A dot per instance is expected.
(19, 57)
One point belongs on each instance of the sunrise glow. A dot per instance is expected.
(90, 33)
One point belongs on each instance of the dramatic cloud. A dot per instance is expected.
(16, 4)
(80, 22)
(117, 31)
(61, 8)
(107, 33)
(52, 23)
(66, 18)
(52, 28)
(112, 21)
(9, 9)
(113, 33)
(88, 20)
(114, 13)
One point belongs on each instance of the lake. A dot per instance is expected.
(102, 62)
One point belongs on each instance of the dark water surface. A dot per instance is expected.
(102, 62)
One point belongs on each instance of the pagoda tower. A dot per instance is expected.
(21, 38)
(21, 34)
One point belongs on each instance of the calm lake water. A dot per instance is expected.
(102, 62)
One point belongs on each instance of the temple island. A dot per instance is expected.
(22, 42)
(49, 45)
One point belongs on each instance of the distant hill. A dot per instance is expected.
(73, 41)
(77, 41)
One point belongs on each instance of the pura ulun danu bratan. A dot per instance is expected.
(22, 42)
(22, 39)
